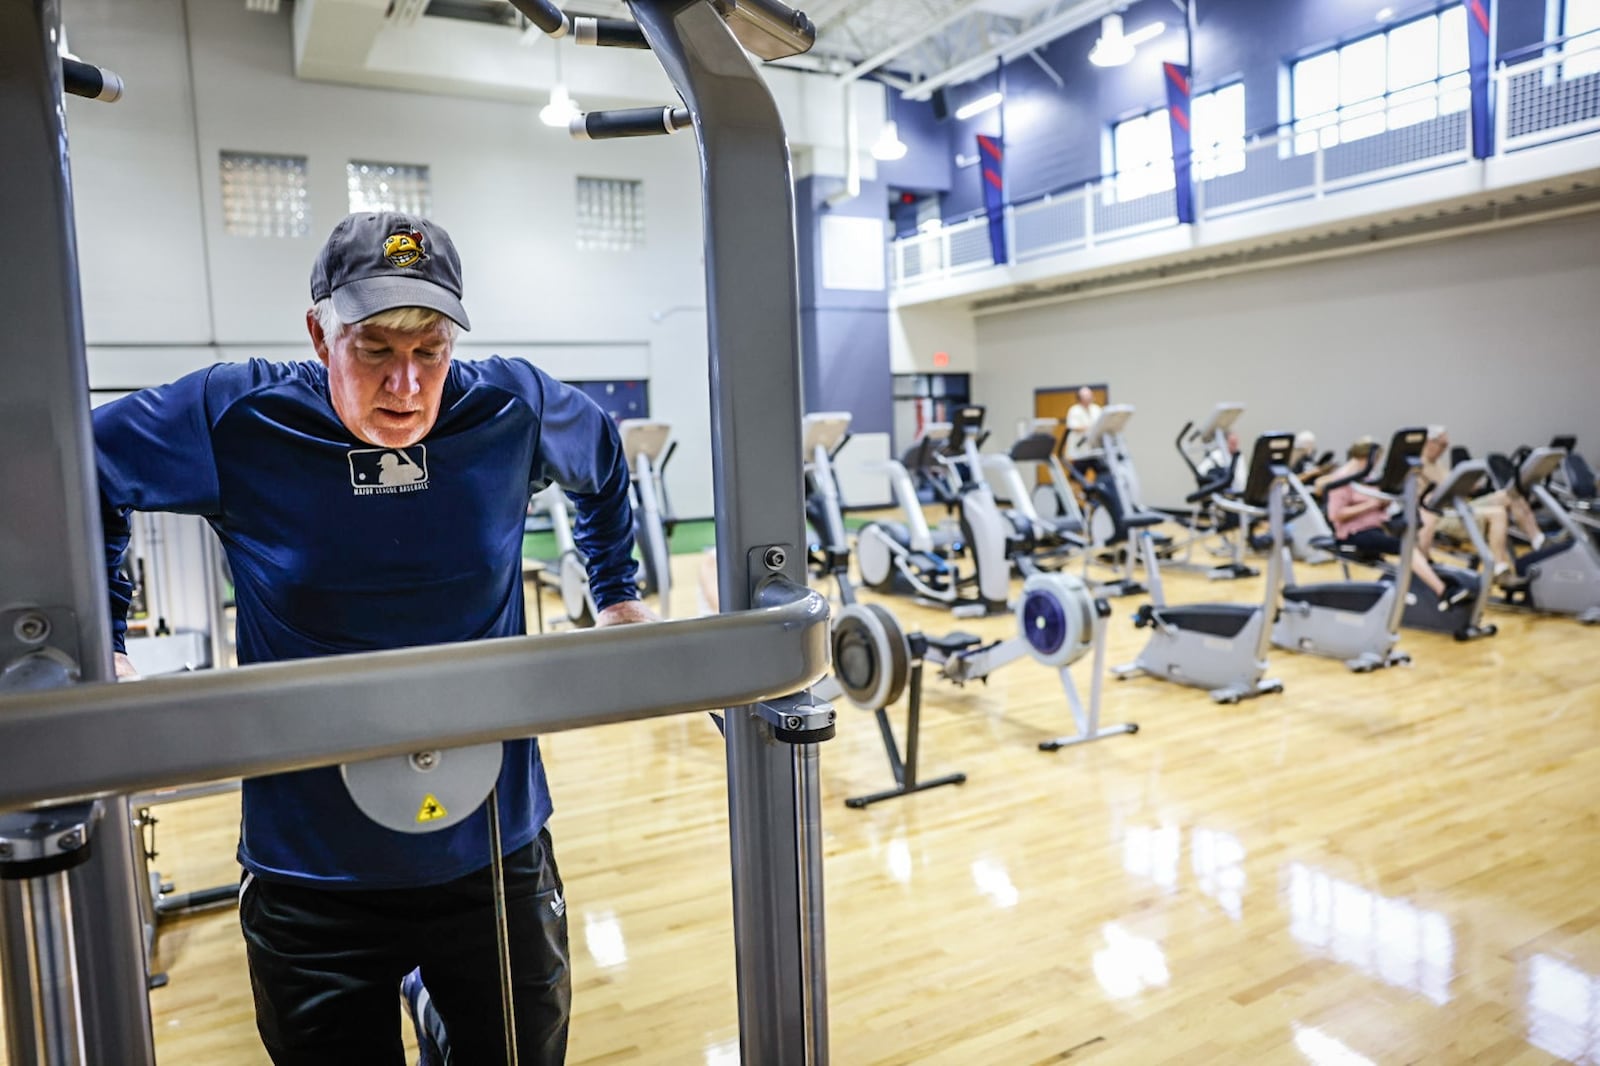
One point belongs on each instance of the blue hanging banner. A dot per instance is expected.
(1182, 141)
(1480, 23)
(991, 168)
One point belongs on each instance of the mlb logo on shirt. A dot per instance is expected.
(384, 471)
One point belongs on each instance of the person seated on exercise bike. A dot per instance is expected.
(1218, 460)
(1305, 463)
(1494, 511)
(1358, 522)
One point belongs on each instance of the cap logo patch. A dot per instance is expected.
(404, 249)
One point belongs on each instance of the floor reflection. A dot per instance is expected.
(1563, 1010)
(1129, 964)
(724, 1054)
(994, 881)
(1153, 853)
(899, 858)
(1218, 862)
(602, 933)
(1392, 940)
(1323, 1050)
(1217, 859)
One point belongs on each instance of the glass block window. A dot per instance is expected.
(402, 187)
(610, 214)
(264, 195)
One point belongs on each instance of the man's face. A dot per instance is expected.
(1434, 448)
(1085, 396)
(385, 384)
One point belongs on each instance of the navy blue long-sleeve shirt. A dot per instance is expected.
(338, 546)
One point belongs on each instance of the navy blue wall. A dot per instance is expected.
(1055, 136)
(844, 334)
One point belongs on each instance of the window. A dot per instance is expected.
(1141, 147)
(1408, 74)
(1581, 17)
(610, 214)
(264, 195)
(401, 187)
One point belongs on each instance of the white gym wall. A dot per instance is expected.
(1496, 335)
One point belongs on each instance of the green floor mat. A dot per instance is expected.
(686, 537)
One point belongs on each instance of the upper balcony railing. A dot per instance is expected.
(1551, 94)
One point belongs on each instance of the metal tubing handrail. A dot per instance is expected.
(101, 738)
(1543, 50)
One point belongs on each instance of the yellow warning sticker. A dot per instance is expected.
(432, 810)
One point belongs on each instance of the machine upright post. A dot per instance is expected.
(752, 299)
(52, 567)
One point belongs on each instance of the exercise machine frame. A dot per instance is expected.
(73, 959)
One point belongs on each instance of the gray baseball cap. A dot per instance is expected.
(377, 261)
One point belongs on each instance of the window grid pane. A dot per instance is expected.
(264, 195)
(1142, 146)
(1580, 17)
(610, 214)
(402, 187)
(1409, 74)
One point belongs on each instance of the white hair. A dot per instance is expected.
(404, 319)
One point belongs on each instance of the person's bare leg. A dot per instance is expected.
(1426, 528)
(1495, 526)
(1522, 515)
(1423, 571)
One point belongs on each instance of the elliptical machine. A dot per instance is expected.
(911, 559)
(1117, 522)
(1359, 621)
(1222, 647)
(1059, 621)
(824, 435)
(647, 447)
(1205, 451)
(1055, 538)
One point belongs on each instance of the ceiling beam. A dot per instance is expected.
(871, 63)
(1079, 15)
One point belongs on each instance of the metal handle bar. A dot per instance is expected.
(100, 738)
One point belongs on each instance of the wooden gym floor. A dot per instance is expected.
(1395, 868)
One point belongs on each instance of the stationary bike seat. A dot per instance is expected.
(950, 643)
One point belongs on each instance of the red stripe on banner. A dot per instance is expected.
(988, 145)
(1481, 15)
(1181, 117)
(991, 177)
(1177, 78)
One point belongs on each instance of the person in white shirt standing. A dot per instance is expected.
(1080, 416)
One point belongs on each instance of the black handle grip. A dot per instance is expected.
(86, 79)
(545, 15)
(629, 122)
(608, 33)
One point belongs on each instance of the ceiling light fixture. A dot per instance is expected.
(561, 109)
(1385, 14)
(1114, 48)
(979, 106)
(889, 147)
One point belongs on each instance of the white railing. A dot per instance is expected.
(1416, 129)
(1549, 97)
(946, 252)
